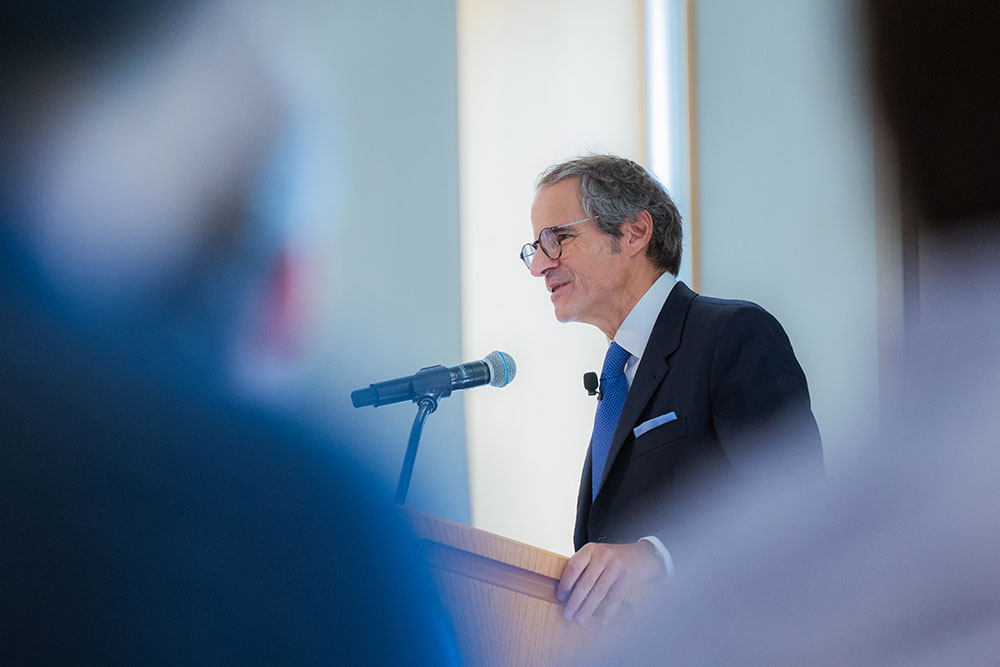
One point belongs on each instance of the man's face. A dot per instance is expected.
(587, 280)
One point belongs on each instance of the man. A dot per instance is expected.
(691, 386)
(147, 514)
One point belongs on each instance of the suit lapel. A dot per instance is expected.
(663, 342)
(580, 532)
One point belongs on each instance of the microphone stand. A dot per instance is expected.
(426, 404)
(430, 384)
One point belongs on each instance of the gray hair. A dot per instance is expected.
(614, 190)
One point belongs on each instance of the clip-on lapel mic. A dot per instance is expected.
(591, 384)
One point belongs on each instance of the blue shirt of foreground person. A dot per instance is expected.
(149, 518)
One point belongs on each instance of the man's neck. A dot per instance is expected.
(635, 287)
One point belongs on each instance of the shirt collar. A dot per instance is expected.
(638, 324)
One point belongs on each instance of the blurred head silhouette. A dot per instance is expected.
(138, 168)
(149, 514)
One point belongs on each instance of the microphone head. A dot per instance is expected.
(502, 368)
(590, 383)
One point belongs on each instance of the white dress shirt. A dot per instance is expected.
(633, 334)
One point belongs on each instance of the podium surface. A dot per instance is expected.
(501, 596)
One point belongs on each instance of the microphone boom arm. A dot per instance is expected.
(429, 384)
(425, 405)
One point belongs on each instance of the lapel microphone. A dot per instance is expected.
(591, 384)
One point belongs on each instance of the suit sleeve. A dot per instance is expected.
(760, 400)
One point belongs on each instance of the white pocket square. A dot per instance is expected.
(653, 423)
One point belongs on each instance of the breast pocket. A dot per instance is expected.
(659, 436)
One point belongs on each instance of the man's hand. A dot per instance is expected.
(605, 572)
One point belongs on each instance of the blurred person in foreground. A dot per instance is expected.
(895, 561)
(148, 516)
(693, 387)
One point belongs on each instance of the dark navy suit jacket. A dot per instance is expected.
(727, 371)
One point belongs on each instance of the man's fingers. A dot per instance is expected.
(584, 584)
(613, 600)
(603, 573)
(604, 584)
(577, 564)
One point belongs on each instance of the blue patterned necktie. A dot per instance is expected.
(609, 411)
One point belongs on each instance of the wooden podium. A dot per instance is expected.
(501, 597)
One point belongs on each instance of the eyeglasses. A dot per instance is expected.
(549, 241)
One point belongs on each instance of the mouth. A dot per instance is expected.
(555, 287)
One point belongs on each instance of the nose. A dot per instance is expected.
(540, 263)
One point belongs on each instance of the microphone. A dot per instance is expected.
(590, 383)
(497, 369)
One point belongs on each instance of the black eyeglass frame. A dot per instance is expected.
(528, 250)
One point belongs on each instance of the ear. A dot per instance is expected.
(276, 321)
(636, 233)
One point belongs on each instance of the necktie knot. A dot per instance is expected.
(614, 361)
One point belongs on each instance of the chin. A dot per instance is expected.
(562, 315)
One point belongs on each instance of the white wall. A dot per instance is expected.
(785, 174)
(538, 82)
